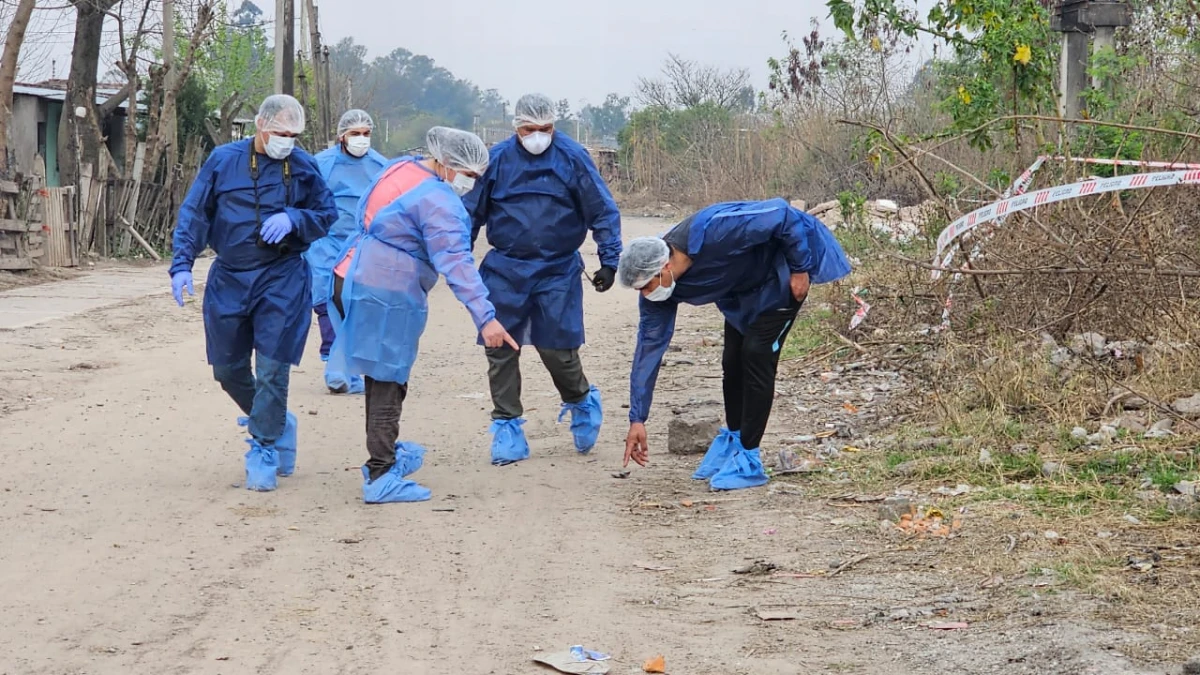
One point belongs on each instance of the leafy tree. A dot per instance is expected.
(1004, 51)
(236, 68)
(609, 118)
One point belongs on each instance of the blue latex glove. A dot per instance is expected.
(276, 227)
(180, 281)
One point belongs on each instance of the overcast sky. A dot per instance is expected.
(578, 52)
(573, 50)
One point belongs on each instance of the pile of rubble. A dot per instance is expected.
(884, 216)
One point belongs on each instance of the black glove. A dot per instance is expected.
(603, 278)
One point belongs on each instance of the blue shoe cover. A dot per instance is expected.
(391, 488)
(723, 446)
(410, 457)
(286, 446)
(586, 418)
(262, 463)
(508, 442)
(744, 469)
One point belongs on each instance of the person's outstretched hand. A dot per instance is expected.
(635, 445)
(180, 281)
(494, 335)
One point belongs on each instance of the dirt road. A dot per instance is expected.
(128, 547)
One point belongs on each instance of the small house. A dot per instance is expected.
(36, 113)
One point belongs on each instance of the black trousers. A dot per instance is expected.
(749, 364)
(504, 377)
(385, 402)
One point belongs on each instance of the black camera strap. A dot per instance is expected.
(287, 184)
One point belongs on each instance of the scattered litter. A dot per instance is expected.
(349, 541)
(844, 624)
(933, 523)
(950, 625)
(768, 615)
(770, 531)
(658, 664)
(957, 491)
(443, 510)
(582, 654)
(1132, 520)
(789, 462)
(687, 503)
(850, 408)
(293, 528)
(653, 568)
(620, 474)
(565, 662)
(474, 397)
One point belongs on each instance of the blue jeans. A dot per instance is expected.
(262, 399)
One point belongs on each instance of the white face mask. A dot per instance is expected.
(537, 142)
(462, 184)
(663, 291)
(279, 147)
(357, 146)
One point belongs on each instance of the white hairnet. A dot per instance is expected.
(460, 150)
(354, 119)
(281, 113)
(534, 110)
(642, 259)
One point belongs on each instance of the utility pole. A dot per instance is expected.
(285, 69)
(314, 40)
(1080, 21)
(326, 93)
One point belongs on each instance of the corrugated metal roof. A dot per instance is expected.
(59, 95)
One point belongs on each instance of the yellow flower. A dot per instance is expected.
(876, 45)
(964, 95)
(1023, 55)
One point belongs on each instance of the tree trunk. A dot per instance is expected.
(8, 72)
(81, 93)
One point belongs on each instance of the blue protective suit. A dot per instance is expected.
(410, 239)
(743, 256)
(348, 177)
(256, 298)
(538, 210)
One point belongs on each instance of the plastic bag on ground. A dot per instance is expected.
(508, 442)
(410, 457)
(718, 453)
(262, 464)
(392, 488)
(586, 418)
(743, 469)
